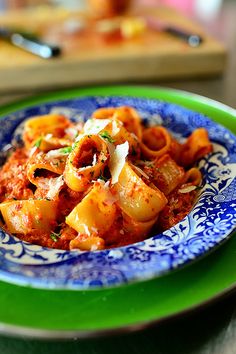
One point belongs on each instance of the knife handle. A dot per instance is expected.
(35, 46)
(194, 40)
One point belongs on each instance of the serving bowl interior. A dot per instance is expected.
(210, 222)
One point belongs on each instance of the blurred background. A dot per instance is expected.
(210, 7)
(118, 41)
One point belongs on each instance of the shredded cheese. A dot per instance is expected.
(71, 132)
(48, 137)
(94, 160)
(115, 127)
(117, 161)
(187, 189)
(54, 185)
(52, 154)
(32, 151)
(95, 126)
(140, 172)
(86, 230)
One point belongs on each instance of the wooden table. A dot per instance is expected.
(89, 57)
(221, 88)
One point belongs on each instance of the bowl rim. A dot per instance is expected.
(197, 103)
(75, 95)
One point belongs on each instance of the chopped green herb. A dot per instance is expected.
(149, 163)
(107, 136)
(74, 146)
(102, 177)
(66, 150)
(54, 236)
(38, 142)
(198, 188)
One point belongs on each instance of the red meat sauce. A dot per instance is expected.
(14, 185)
(13, 178)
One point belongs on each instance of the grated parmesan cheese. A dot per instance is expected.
(86, 230)
(52, 154)
(187, 189)
(94, 126)
(48, 137)
(54, 185)
(141, 172)
(32, 151)
(117, 161)
(71, 132)
(94, 160)
(115, 127)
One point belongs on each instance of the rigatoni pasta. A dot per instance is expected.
(112, 182)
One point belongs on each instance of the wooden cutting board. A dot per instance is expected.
(89, 58)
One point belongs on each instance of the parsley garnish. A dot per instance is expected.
(107, 136)
(38, 142)
(74, 146)
(66, 150)
(54, 236)
(198, 188)
(149, 163)
(102, 177)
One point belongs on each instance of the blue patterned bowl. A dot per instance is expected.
(210, 222)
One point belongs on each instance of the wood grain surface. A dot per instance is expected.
(90, 58)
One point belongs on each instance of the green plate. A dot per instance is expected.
(69, 314)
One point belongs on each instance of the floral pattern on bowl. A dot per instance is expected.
(211, 221)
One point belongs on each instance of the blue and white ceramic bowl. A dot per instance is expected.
(210, 222)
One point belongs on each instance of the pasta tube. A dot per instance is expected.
(36, 127)
(127, 115)
(49, 142)
(136, 199)
(168, 174)
(137, 228)
(196, 146)
(86, 162)
(104, 113)
(193, 176)
(131, 120)
(95, 214)
(25, 216)
(42, 167)
(86, 243)
(120, 135)
(156, 142)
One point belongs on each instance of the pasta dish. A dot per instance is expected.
(108, 182)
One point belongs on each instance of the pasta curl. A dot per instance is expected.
(108, 182)
(86, 162)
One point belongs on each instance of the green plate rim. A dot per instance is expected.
(169, 296)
